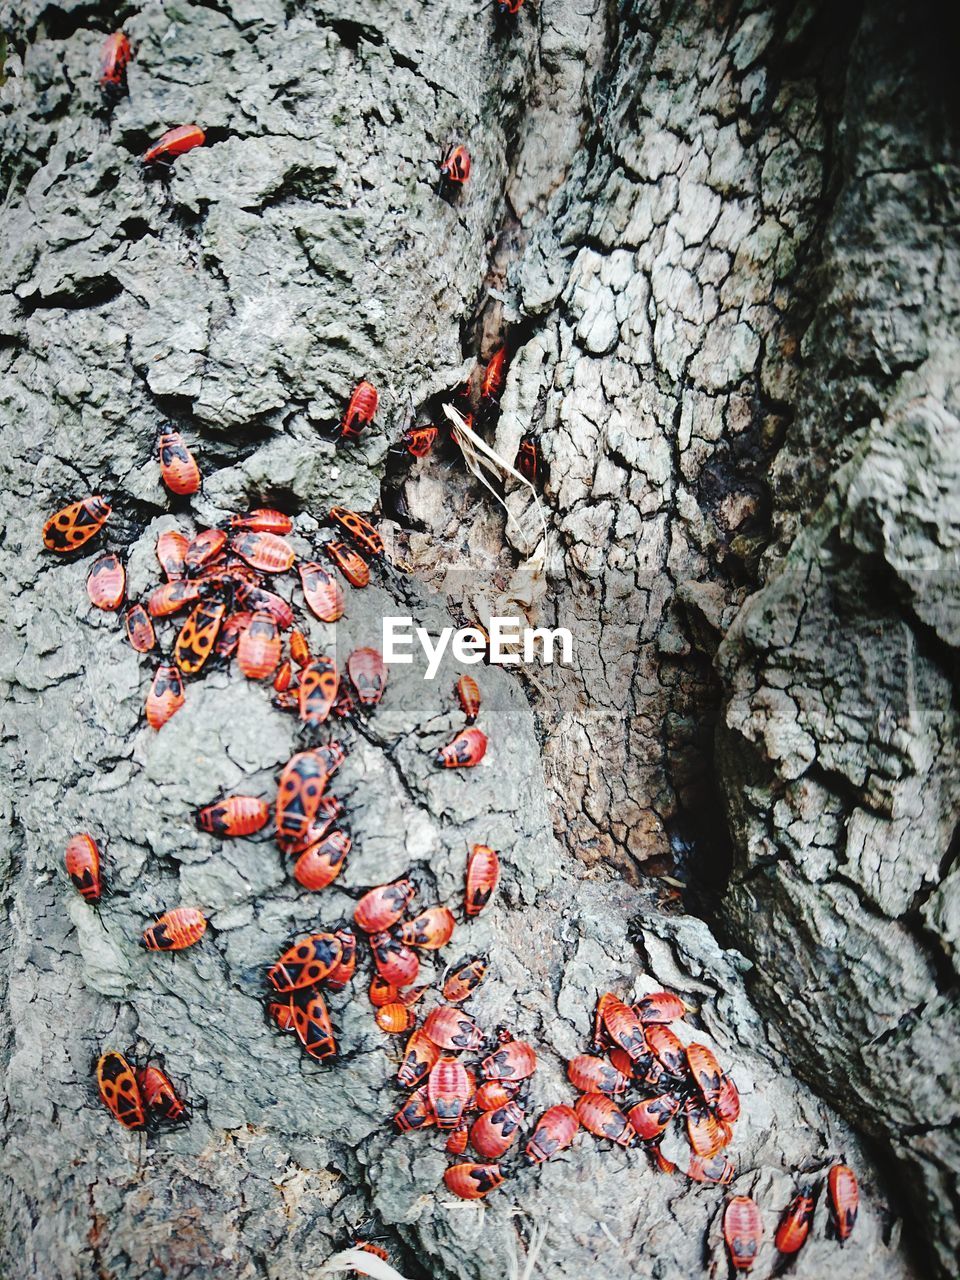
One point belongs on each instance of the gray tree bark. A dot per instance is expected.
(722, 244)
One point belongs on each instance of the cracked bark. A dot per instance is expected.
(695, 226)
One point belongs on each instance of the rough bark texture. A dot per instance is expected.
(717, 237)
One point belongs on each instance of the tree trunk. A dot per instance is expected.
(720, 244)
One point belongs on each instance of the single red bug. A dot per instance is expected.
(495, 1093)
(395, 962)
(456, 1144)
(472, 1181)
(728, 1101)
(255, 598)
(171, 597)
(593, 1075)
(263, 520)
(666, 1048)
(171, 550)
(382, 907)
(76, 524)
(350, 563)
(311, 1022)
(795, 1224)
(233, 626)
(119, 1090)
(718, 1170)
(299, 649)
(344, 969)
(483, 876)
(82, 858)
(660, 1006)
(165, 697)
(624, 1027)
(368, 675)
(463, 980)
(204, 547)
(381, 992)
(361, 531)
(742, 1231)
(160, 1097)
(493, 1133)
(139, 628)
(197, 637)
(174, 143)
(321, 863)
(360, 411)
(555, 1131)
(451, 1029)
(234, 816)
(494, 375)
(114, 56)
(284, 677)
(448, 1088)
(107, 583)
(527, 461)
(706, 1072)
(300, 789)
(705, 1132)
(267, 552)
(844, 1199)
(178, 466)
(416, 1112)
(514, 1060)
(602, 1117)
(468, 695)
(419, 1057)
(650, 1117)
(307, 962)
(419, 441)
(258, 649)
(319, 682)
(431, 930)
(466, 750)
(322, 591)
(394, 1018)
(175, 930)
(455, 167)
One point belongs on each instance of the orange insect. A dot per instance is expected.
(844, 1199)
(493, 376)
(267, 552)
(321, 863)
(76, 524)
(493, 1094)
(451, 1029)
(795, 1224)
(395, 1018)
(448, 1088)
(555, 1131)
(456, 1144)
(706, 1072)
(284, 677)
(258, 649)
(666, 1048)
(361, 531)
(263, 520)
(381, 992)
(160, 1097)
(419, 441)
(175, 930)
(343, 971)
(281, 1013)
(728, 1101)
(718, 1170)
(527, 461)
(468, 694)
(494, 1132)
(514, 1060)
(706, 1133)
(367, 1247)
(307, 962)
(82, 858)
(107, 583)
(319, 682)
(624, 1027)
(395, 963)
(114, 56)
(593, 1075)
(360, 411)
(660, 1006)
(455, 167)
(204, 547)
(174, 143)
(197, 637)
(350, 563)
(322, 591)
(178, 466)
(431, 930)
(419, 1057)
(462, 981)
(509, 8)
(602, 1117)
(139, 628)
(311, 1022)
(368, 675)
(416, 1112)
(472, 1181)
(299, 649)
(171, 597)
(165, 697)
(234, 816)
(171, 549)
(254, 598)
(742, 1232)
(466, 750)
(382, 907)
(230, 632)
(119, 1090)
(483, 876)
(650, 1117)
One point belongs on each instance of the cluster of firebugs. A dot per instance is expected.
(221, 575)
